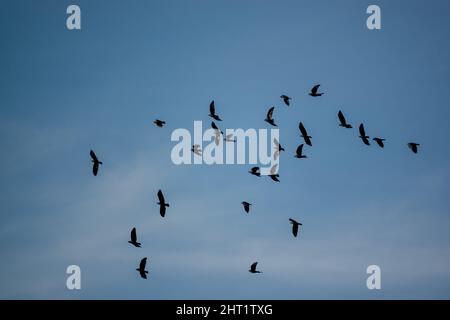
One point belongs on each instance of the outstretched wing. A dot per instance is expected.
(212, 108)
(315, 88)
(302, 130)
(161, 198)
(342, 118)
(295, 229)
(133, 235)
(95, 168)
(362, 132)
(253, 266)
(270, 113)
(142, 264)
(213, 125)
(299, 150)
(93, 156)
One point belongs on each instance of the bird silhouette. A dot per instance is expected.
(413, 146)
(379, 141)
(278, 148)
(196, 149)
(295, 225)
(269, 117)
(255, 171)
(229, 138)
(273, 173)
(343, 121)
(299, 152)
(253, 268)
(314, 90)
(133, 240)
(96, 163)
(159, 123)
(162, 204)
(212, 111)
(304, 134)
(246, 206)
(286, 99)
(141, 268)
(362, 135)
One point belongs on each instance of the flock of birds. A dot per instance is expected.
(163, 205)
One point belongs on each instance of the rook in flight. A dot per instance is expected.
(273, 173)
(413, 146)
(269, 117)
(286, 99)
(246, 206)
(304, 134)
(255, 171)
(141, 268)
(295, 225)
(162, 204)
(343, 121)
(95, 162)
(314, 93)
(212, 112)
(379, 141)
(299, 152)
(133, 240)
(253, 268)
(159, 123)
(362, 135)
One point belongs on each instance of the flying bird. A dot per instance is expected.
(141, 268)
(362, 135)
(286, 99)
(246, 206)
(314, 90)
(133, 240)
(273, 173)
(343, 121)
(159, 123)
(269, 117)
(162, 204)
(295, 225)
(229, 138)
(413, 146)
(255, 171)
(379, 141)
(278, 148)
(95, 162)
(196, 149)
(212, 112)
(304, 134)
(299, 152)
(253, 268)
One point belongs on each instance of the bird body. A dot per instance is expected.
(269, 117)
(286, 99)
(159, 123)
(379, 141)
(246, 206)
(196, 149)
(413, 146)
(304, 134)
(314, 92)
(133, 240)
(162, 204)
(253, 268)
(96, 163)
(362, 135)
(255, 171)
(141, 268)
(295, 226)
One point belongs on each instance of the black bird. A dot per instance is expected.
(162, 204)
(196, 149)
(246, 206)
(304, 134)
(286, 99)
(133, 240)
(273, 173)
(212, 112)
(269, 117)
(278, 148)
(343, 121)
(299, 152)
(379, 141)
(413, 146)
(253, 268)
(314, 93)
(362, 135)
(159, 123)
(255, 171)
(141, 268)
(295, 225)
(95, 162)
(215, 127)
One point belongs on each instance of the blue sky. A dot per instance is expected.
(65, 92)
